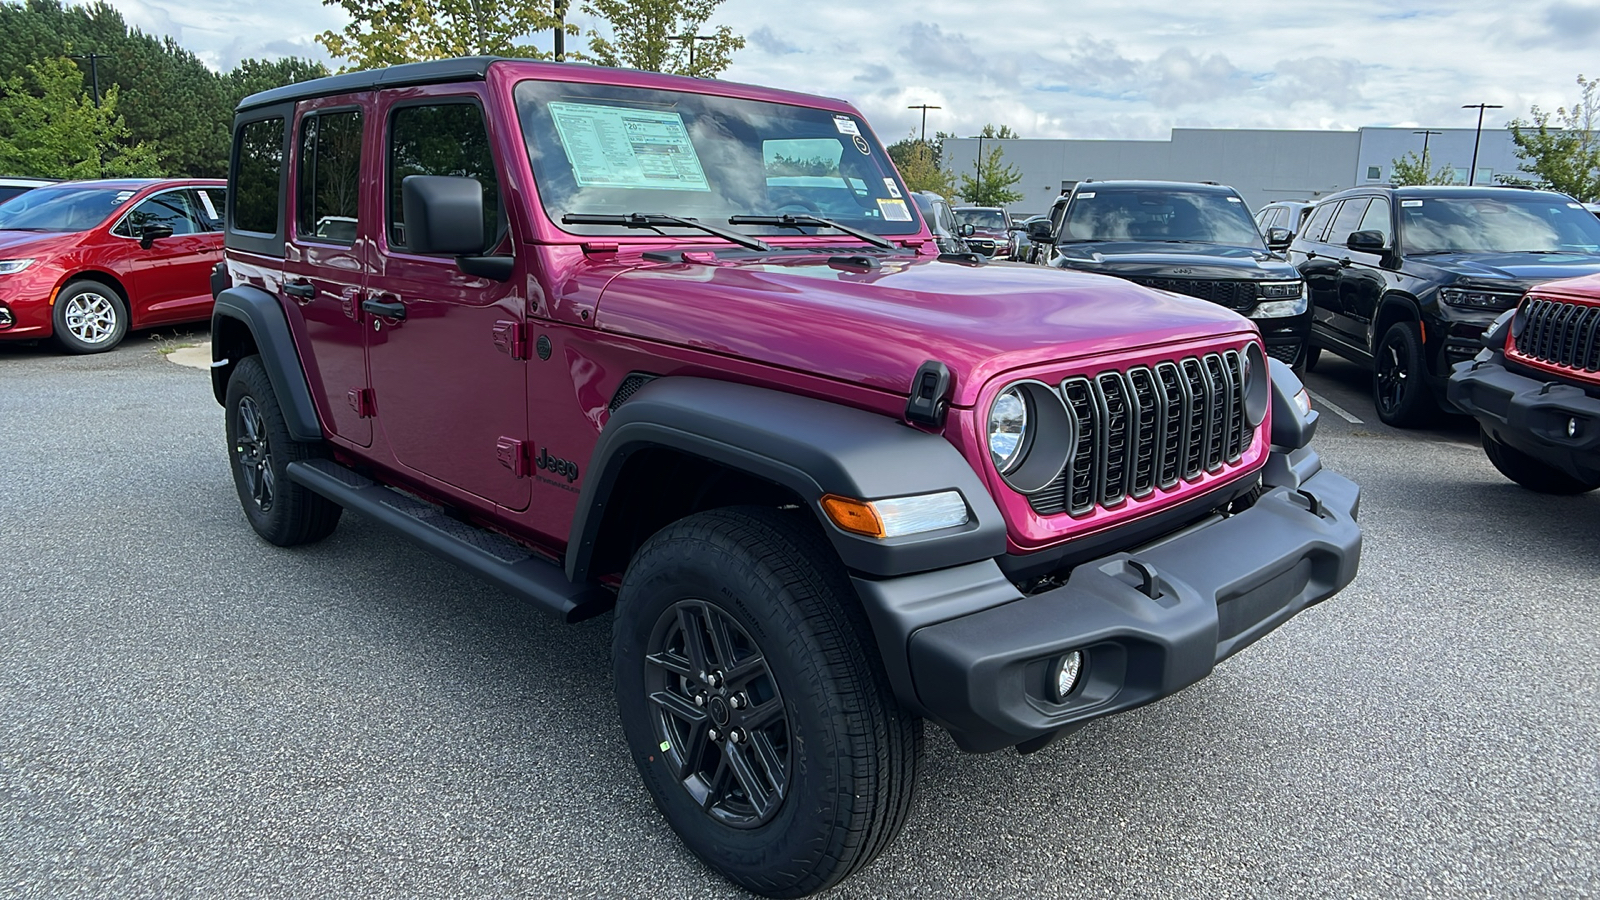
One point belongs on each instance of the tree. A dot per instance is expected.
(1004, 133)
(389, 32)
(252, 76)
(50, 128)
(1564, 156)
(919, 164)
(992, 186)
(1414, 169)
(649, 35)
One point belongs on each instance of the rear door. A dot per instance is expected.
(1362, 282)
(1319, 268)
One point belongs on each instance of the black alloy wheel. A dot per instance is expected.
(260, 450)
(1399, 392)
(718, 713)
(254, 454)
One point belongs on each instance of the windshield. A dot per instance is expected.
(985, 219)
(1496, 225)
(608, 150)
(1202, 217)
(65, 208)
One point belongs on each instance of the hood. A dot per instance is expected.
(1525, 269)
(1170, 260)
(875, 326)
(22, 243)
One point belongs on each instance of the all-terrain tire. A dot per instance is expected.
(1530, 472)
(259, 452)
(795, 646)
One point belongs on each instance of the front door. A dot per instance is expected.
(172, 278)
(450, 399)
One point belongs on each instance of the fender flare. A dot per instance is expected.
(811, 447)
(259, 313)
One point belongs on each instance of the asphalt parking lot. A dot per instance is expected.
(188, 711)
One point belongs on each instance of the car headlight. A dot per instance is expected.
(1281, 298)
(1031, 435)
(13, 266)
(1469, 298)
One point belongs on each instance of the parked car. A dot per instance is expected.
(1406, 279)
(1286, 214)
(832, 481)
(1535, 388)
(1191, 239)
(992, 232)
(85, 261)
(13, 186)
(948, 234)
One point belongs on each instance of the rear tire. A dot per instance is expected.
(1399, 390)
(259, 452)
(1530, 472)
(811, 771)
(1308, 358)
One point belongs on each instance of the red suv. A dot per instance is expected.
(85, 261)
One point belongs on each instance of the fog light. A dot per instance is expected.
(1068, 668)
(1572, 428)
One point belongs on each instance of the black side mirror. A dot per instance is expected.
(1039, 231)
(444, 214)
(1366, 241)
(1279, 238)
(152, 233)
(965, 230)
(1018, 226)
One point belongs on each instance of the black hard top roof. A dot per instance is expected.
(466, 68)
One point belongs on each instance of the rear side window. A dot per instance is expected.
(210, 202)
(1377, 218)
(1349, 217)
(328, 177)
(257, 174)
(443, 139)
(1319, 221)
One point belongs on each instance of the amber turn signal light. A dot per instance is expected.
(854, 516)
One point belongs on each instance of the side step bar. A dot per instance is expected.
(490, 556)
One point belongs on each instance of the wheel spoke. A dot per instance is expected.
(721, 641)
(694, 642)
(672, 663)
(763, 715)
(748, 668)
(770, 759)
(678, 707)
(755, 790)
(717, 784)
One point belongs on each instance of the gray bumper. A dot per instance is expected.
(1534, 415)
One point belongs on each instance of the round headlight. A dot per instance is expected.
(1008, 426)
(1257, 385)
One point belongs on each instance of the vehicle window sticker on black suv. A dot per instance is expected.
(442, 139)
(1345, 223)
(257, 175)
(328, 177)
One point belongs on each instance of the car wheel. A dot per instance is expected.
(89, 317)
(754, 702)
(259, 451)
(1398, 389)
(1530, 472)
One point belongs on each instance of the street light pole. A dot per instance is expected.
(1472, 176)
(561, 30)
(1426, 169)
(978, 165)
(94, 72)
(924, 107)
(690, 39)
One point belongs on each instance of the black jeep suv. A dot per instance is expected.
(1406, 279)
(1194, 239)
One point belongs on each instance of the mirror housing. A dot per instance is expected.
(1366, 242)
(444, 214)
(152, 233)
(965, 230)
(1279, 238)
(1040, 231)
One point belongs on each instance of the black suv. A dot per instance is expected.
(1406, 279)
(1194, 239)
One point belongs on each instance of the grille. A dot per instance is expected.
(1284, 353)
(1232, 294)
(1148, 428)
(1562, 334)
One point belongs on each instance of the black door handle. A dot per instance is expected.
(1344, 263)
(389, 310)
(303, 290)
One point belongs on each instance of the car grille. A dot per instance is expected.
(1288, 353)
(1239, 295)
(1561, 334)
(1147, 429)
(977, 245)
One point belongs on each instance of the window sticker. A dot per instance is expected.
(1234, 200)
(211, 211)
(894, 210)
(1086, 195)
(861, 144)
(846, 125)
(122, 196)
(1575, 205)
(620, 147)
(1410, 202)
(894, 189)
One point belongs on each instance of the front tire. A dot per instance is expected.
(259, 452)
(754, 702)
(89, 317)
(1399, 390)
(1530, 472)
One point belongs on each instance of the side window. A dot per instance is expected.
(170, 208)
(328, 177)
(1319, 221)
(258, 167)
(444, 139)
(1350, 214)
(208, 203)
(1377, 218)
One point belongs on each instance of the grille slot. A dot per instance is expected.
(1232, 294)
(1149, 428)
(1563, 334)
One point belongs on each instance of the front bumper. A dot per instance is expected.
(1531, 414)
(983, 671)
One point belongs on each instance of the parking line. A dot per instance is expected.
(1333, 407)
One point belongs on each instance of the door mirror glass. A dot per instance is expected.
(965, 230)
(1279, 238)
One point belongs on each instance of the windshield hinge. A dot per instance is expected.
(930, 395)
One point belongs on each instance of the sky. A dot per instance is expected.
(1081, 70)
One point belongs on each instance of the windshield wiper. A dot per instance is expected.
(791, 221)
(657, 220)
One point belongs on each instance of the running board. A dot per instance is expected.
(491, 556)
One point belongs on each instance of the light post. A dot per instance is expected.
(690, 39)
(561, 31)
(924, 107)
(1426, 169)
(1472, 176)
(94, 72)
(978, 165)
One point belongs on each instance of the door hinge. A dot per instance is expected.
(513, 454)
(512, 338)
(363, 402)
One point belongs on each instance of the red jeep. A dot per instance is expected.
(684, 349)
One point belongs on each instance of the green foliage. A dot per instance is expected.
(1564, 155)
(992, 185)
(49, 128)
(390, 32)
(1414, 169)
(919, 164)
(252, 76)
(643, 36)
(1005, 132)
